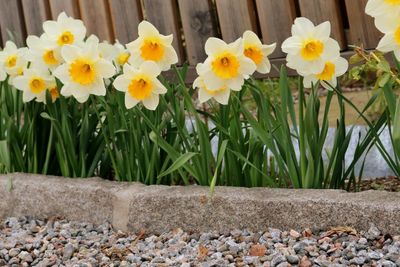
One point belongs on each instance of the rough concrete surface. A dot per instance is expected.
(135, 207)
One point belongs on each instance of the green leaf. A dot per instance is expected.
(178, 163)
(4, 156)
(382, 80)
(46, 116)
(396, 129)
(220, 157)
(384, 66)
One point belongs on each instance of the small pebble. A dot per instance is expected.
(29, 242)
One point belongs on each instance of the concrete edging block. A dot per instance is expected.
(135, 207)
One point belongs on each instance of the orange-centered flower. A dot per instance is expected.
(392, 2)
(254, 54)
(123, 58)
(11, 61)
(37, 85)
(312, 49)
(328, 72)
(82, 71)
(49, 58)
(397, 36)
(141, 87)
(225, 66)
(152, 49)
(65, 38)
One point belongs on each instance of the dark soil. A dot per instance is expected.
(389, 183)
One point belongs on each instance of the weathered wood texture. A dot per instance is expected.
(35, 13)
(125, 16)
(273, 15)
(235, 17)
(70, 7)
(198, 23)
(12, 21)
(96, 16)
(319, 11)
(361, 26)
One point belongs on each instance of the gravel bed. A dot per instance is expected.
(57, 242)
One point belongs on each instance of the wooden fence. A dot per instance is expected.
(193, 21)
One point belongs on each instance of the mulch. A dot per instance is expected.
(389, 183)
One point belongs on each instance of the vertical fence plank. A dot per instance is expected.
(276, 19)
(35, 13)
(96, 16)
(325, 10)
(198, 25)
(12, 21)
(164, 16)
(70, 7)
(235, 17)
(362, 28)
(125, 16)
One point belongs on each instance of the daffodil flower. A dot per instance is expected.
(84, 71)
(140, 85)
(44, 50)
(121, 56)
(328, 77)
(152, 46)
(256, 51)
(54, 91)
(221, 94)
(12, 61)
(390, 26)
(106, 50)
(226, 64)
(309, 45)
(65, 31)
(377, 8)
(34, 83)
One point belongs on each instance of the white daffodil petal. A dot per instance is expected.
(214, 45)
(151, 102)
(121, 83)
(130, 102)
(204, 96)
(151, 68)
(105, 68)
(222, 97)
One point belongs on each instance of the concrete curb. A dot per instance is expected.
(135, 207)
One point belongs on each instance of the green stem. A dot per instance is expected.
(114, 163)
(303, 166)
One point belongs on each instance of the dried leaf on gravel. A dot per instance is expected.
(139, 236)
(203, 199)
(307, 232)
(340, 230)
(257, 250)
(203, 252)
(114, 252)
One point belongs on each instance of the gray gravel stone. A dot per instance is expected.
(14, 252)
(25, 256)
(357, 260)
(278, 258)
(373, 232)
(64, 243)
(387, 263)
(293, 259)
(373, 255)
(68, 251)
